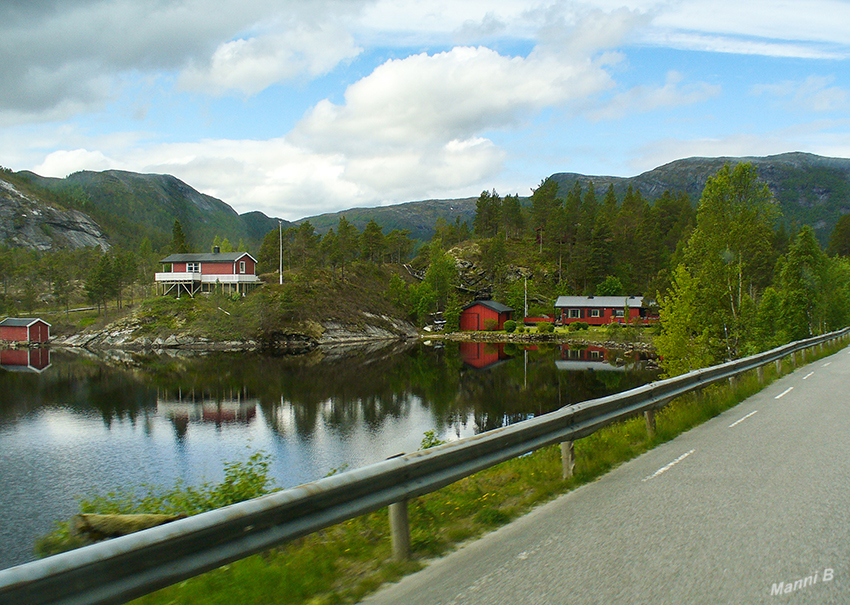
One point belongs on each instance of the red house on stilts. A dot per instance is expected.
(193, 273)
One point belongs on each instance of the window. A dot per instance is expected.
(618, 313)
(241, 266)
(575, 313)
(594, 312)
(193, 267)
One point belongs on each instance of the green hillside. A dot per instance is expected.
(130, 207)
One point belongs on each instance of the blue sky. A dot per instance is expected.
(299, 107)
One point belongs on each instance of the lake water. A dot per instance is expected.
(76, 424)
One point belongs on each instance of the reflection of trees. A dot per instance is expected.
(497, 396)
(344, 392)
(78, 383)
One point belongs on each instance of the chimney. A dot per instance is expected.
(216, 250)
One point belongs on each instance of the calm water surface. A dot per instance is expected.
(77, 424)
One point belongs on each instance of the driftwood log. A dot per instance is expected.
(93, 527)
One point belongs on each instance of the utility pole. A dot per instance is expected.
(280, 257)
(525, 311)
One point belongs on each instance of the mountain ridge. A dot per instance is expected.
(126, 207)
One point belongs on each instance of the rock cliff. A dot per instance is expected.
(30, 223)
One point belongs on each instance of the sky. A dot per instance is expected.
(300, 107)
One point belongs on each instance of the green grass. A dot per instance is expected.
(345, 562)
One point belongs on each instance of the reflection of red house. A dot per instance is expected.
(482, 314)
(25, 360)
(18, 329)
(482, 355)
(586, 358)
(193, 273)
(601, 310)
(589, 353)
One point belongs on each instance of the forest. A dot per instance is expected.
(726, 276)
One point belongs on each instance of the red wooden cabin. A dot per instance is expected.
(483, 315)
(21, 329)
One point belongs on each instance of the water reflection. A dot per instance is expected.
(100, 423)
(25, 360)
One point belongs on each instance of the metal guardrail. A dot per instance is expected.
(118, 570)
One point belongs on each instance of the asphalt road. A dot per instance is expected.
(750, 507)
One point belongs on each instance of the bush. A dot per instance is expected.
(243, 480)
(491, 325)
(520, 329)
(510, 326)
(578, 325)
(544, 327)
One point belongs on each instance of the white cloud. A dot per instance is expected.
(253, 64)
(432, 99)
(642, 99)
(814, 94)
(58, 62)
(813, 21)
(62, 163)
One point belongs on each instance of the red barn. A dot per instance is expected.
(484, 315)
(193, 273)
(601, 310)
(18, 329)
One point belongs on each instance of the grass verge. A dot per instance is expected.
(345, 562)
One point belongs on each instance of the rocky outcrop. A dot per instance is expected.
(30, 223)
(129, 334)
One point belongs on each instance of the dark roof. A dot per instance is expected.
(490, 304)
(20, 322)
(206, 257)
(634, 302)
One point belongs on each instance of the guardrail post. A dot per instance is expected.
(568, 459)
(794, 360)
(400, 530)
(779, 367)
(760, 374)
(649, 415)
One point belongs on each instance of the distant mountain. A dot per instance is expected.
(128, 207)
(418, 217)
(117, 207)
(811, 190)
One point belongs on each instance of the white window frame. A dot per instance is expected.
(619, 313)
(575, 314)
(241, 266)
(594, 313)
(193, 267)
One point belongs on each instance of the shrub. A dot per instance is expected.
(510, 326)
(578, 325)
(544, 327)
(520, 329)
(243, 480)
(491, 325)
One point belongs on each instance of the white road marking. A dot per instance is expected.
(784, 393)
(807, 375)
(664, 469)
(826, 364)
(739, 421)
